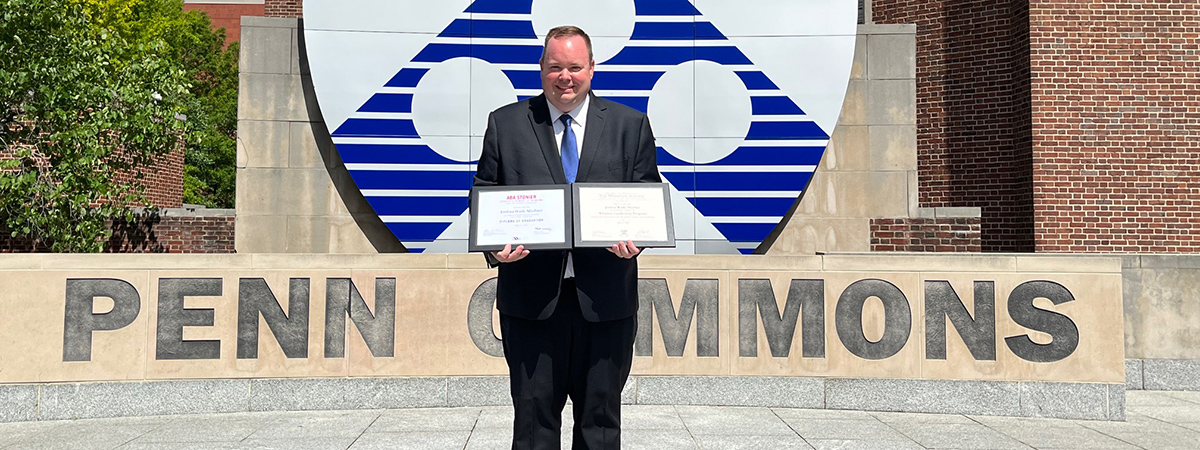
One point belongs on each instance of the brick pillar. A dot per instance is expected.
(284, 8)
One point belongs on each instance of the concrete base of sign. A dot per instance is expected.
(64, 401)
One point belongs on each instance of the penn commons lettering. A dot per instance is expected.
(803, 316)
(255, 299)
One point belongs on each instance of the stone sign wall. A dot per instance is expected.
(127, 317)
(996, 334)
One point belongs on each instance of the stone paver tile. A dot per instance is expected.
(656, 440)
(67, 443)
(1194, 426)
(956, 435)
(206, 428)
(826, 414)
(1187, 396)
(184, 446)
(1137, 399)
(727, 442)
(13, 432)
(314, 443)
(732, 420)
(127, 427)
(90, 433)
(490, 439)
(1004, 422)
(893, 417)
(291, 425)
(650, 417)
(425, 419)
(199, 432)
(842, 444)
(495, 417)
(416, 440)
(1173, 414)
(1159, 438)
(1039, 436)
(1133, 424)
(867, 430)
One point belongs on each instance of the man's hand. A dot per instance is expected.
(510, 254)
(625, 249)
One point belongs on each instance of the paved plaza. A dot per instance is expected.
(1155, 420)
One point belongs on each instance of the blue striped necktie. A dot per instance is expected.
(569, 150)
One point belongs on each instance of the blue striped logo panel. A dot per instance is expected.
(396, 103)
(402, 128)
(390, 154)
(742, 194)
(410, 180)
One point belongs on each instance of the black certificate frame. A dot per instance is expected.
(473, 234)
(669, 222)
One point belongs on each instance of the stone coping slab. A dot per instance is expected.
(887, 262)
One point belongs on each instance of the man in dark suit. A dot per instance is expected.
(567, 318)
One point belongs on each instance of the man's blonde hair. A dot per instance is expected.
(564, 32)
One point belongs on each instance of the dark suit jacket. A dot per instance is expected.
(519, 149)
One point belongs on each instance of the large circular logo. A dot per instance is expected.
(742, 96)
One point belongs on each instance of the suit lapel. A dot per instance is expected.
(591, 137)
(539, 119)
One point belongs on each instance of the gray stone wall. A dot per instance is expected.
(870, 167)
(295, 196)
(1162, 321)
(1162, 306)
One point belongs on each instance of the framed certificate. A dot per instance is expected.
(538, 217)
(605, 213)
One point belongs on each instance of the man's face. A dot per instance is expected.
(566, 72)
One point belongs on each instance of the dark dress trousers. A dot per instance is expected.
(567, 338)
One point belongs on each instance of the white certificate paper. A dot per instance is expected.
(622, 214)
(521, 217)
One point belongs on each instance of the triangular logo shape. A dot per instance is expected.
(419, 193)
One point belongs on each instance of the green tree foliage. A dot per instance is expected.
(93, 88)
(211, 109)
(78, 104)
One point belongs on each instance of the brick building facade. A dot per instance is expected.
(227, 14)
(164, 180)
(284, 8)
(1116, 108)
(1070, 123)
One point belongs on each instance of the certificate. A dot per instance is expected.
(534, 216)
(606, 213)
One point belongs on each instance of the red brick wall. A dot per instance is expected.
(228, 16)
(972, 112)
(1116, 125)
(284, 8)
(173, 234)
(164, 181)
(926, 235)
(159, 234)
